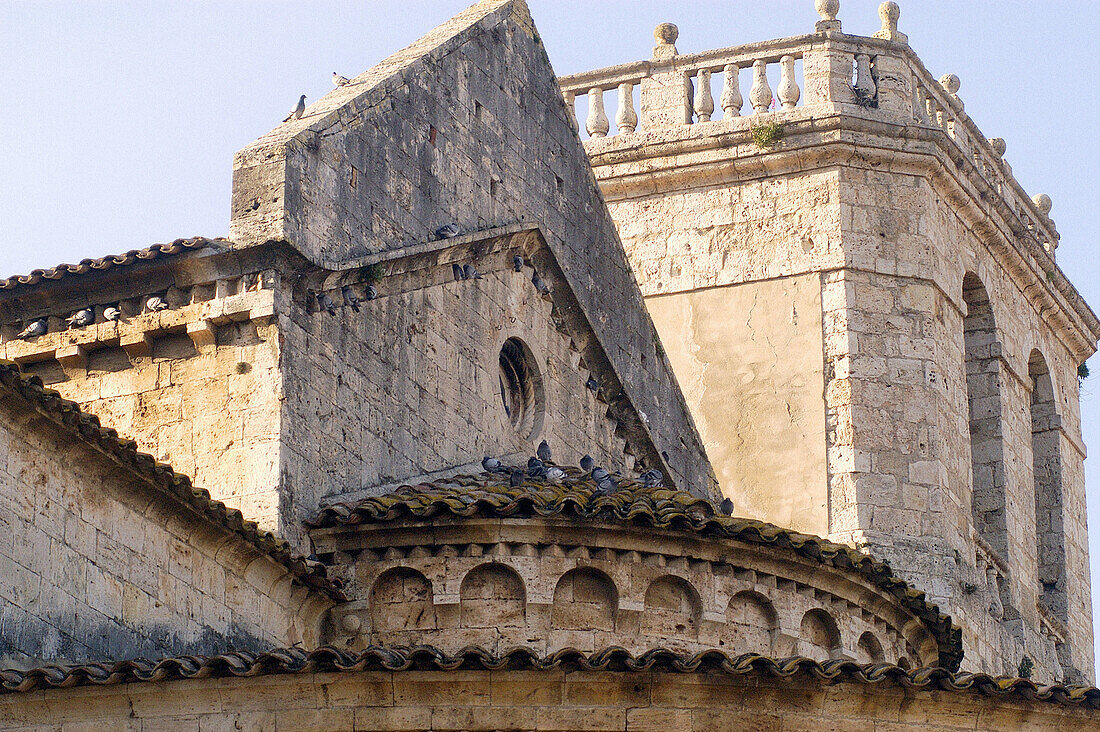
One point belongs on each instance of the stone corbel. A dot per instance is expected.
(136, 344)
(72, 356)
(203, 333)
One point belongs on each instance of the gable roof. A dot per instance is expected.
(112, 261)
(195, 501)
(376, 658)
(490, 495)
(468, 126)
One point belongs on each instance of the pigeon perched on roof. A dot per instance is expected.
(371, 293)
(726, 507)
(543, 451)
(298, 110)
(448, 231)
(516, 478)
(652, 478)
(541, 286)
(555, 475)
(111, 313)
(34, 329)
(326, 302)
(349, 298)
(338, 80)
(492, 465)
(517, 263)
(156, 303)
(587, 463)
(81, 318)
(469, 272)
(536, 468)
(456, 270)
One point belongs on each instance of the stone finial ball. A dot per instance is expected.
(1043, 203)
(889, 12)
(666, 34)
(950, 83)
(351, 623)
(998, 145)
(827, 9)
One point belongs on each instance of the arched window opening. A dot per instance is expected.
(869, 650)
(492, 596)
(672, 609)
(751, 622)
(819, 638)
(983, 390)
(584, 599)
(1047, 472)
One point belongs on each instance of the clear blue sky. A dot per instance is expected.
(121, 118)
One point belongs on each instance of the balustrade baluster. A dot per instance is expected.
(865, 83)
(597, 123)
(704, 100)
(788, 87)
(626, 118)
(731, 91)
(760, 96)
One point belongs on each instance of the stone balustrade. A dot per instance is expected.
(822, 73)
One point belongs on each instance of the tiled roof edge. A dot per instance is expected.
(86, 427)
(680, 511)
(111, 261)
(613, 659)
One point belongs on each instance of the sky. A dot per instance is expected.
(121, 118)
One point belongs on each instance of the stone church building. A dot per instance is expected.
(756, 409)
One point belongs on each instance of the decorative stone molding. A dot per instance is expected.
(665, 34)
(828, 10)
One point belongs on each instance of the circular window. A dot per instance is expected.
(521, 387)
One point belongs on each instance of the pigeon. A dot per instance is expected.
(516, 478)
(339, 80)
(326, 302)
(536, 468)
(543, 451)
(34, 329)
(592, 384)
(448, 231)
(111, 313)
(604, 482)
(155, 304)
(81, 318)
(541, 286)
(456, 270)
(469, 272)
(599, 474)
(371, 293)
(587, 463)
(296, 113)
(726, 507)
(517, 263)
(349, 298)
(652, 478)
(492, 465)
(555, 475)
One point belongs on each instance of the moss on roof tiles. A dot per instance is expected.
(613, 659)
(577, 497)
(134, 256)
(87, 428)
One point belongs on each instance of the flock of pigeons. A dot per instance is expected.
(300, 107)
(542, 467)
(86, 316)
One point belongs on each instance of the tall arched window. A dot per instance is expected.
(983, 390)
(1047, 470)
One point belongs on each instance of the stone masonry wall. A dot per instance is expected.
(554, 699)
(98, 565)
(892, 254)
(411, 384)
(466, 126)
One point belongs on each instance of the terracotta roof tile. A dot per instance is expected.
(577, 497)
(376, 658)
(86, 427)
(85, 266)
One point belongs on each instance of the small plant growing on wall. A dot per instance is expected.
(767, 135)
(1026, 667)
(1083, 371)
